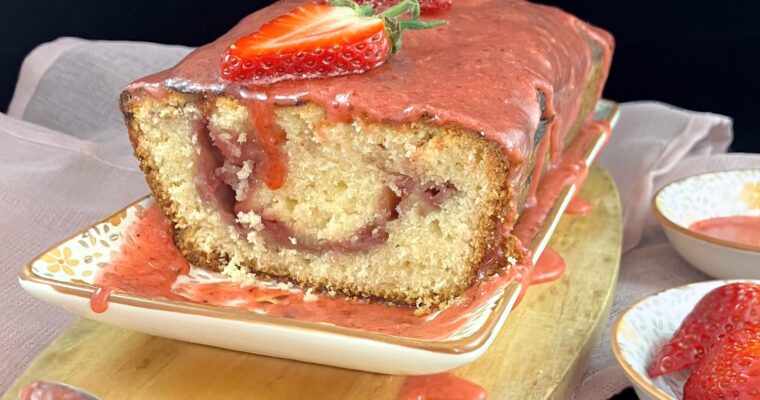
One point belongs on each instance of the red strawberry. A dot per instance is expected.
(722, 311)
(730, 370)
(426, 6)
(318, 40)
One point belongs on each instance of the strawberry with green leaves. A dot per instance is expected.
(722, 311)
(321, 40)
(730, 370)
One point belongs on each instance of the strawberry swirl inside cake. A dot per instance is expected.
(264, 185)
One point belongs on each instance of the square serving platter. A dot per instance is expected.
(64, 276)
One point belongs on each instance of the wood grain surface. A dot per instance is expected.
(540, 353)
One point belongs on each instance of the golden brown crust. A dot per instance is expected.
(168, 208)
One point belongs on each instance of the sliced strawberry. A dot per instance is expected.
(319, 40)
(730, 370)
(722, 311)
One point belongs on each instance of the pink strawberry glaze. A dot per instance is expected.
(445, 386)
(742, 229)
(571, 169)
(149, 265)
(579, 206)
(550, 266)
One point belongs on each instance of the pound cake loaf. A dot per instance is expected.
(402, 182)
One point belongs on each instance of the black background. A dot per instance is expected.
(698, 55)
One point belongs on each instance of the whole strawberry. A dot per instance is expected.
(730, 370)
(321, 40)
(722, 311)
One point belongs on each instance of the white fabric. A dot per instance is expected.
(65, 162)
(35, 64)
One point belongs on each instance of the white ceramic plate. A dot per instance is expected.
(716, 194)
(64, 276)
(644, 327)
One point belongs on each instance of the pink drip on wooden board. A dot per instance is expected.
(579, 206)
(445, 386)
(742, 229)
(550, 267)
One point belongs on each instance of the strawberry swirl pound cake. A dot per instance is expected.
(310, 143)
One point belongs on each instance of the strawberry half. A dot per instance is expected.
(722, 311)
(730, 370)
(321, 40)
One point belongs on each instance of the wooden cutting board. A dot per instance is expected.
(540, 353)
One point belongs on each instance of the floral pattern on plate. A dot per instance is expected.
(78, 259)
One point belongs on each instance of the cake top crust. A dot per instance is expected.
(482, 71)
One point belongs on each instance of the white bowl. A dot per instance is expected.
(644, 327)
(718, 194)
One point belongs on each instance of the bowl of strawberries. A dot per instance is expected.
(695, 342)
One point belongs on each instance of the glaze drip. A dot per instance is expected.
(571, 169)
(579, 206)
(273, 167)
(150, 265)
(445, 386)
